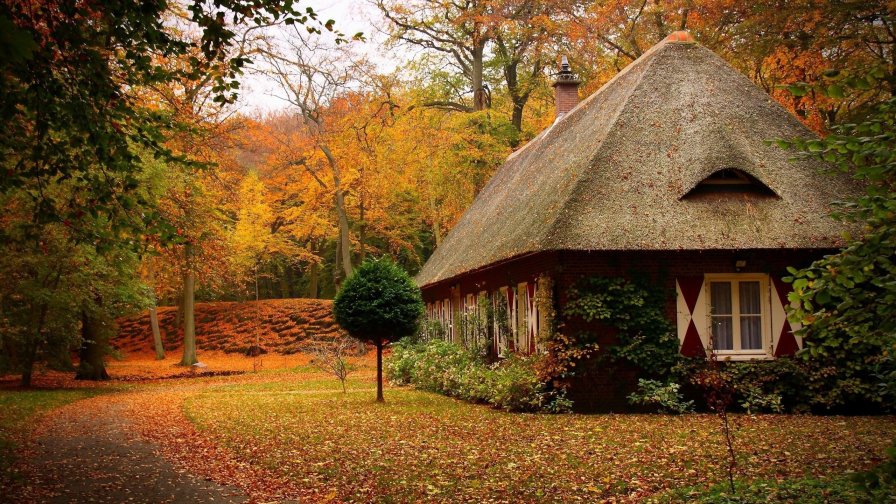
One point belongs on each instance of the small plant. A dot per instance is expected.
(332, 356)
(666, 396)
(754, 400)
(719, 393)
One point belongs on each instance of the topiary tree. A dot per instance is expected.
(379, 303)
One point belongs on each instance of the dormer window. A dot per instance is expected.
(730, 182)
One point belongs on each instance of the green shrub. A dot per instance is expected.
(786, 385)
(514, 386)
(400, 364)
(446, 368)
(666, 396)
(377, 304)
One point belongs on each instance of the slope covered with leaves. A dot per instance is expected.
(279, 326)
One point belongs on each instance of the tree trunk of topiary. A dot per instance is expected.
(379, 371)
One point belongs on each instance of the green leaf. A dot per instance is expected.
(835, 91)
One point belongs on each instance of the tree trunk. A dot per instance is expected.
(314, 280)
(479, 97)
(362, 230)
(437, 233)
(179, 315)
(379, 371)
(28, 365)
(156, 334)
(339, 201)
(189, 357)
(436, 228)
(336, 278)
(511, 78)
(93, 348)
(344, 240)
(154, 319)
(516, 117)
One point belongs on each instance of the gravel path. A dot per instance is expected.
(90, 455)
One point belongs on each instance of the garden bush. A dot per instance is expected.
(443, 367)
(667, 397)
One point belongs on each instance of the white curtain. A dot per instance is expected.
(750, 316)
(722, 321)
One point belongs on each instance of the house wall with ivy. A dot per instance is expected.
(604, 387)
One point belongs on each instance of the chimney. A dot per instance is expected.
(566, 89)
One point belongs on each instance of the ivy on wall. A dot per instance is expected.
(634, 309)
(562, 351)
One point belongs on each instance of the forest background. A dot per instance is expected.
(187, 194)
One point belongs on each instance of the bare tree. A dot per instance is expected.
(457, 29)
(331, 357)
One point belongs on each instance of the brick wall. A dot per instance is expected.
(566, 97)
(606, 389)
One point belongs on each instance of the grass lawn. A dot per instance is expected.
(421, 446)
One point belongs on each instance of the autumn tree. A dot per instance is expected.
(527, 35)
(72, 73)
(778, 45)
(379, 303)
(312, 75)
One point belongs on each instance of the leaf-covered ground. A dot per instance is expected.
(420, 446)
(292, 434)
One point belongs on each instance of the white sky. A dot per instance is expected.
(351, 16)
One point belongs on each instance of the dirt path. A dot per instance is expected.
(91, 454)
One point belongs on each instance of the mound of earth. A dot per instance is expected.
(280, 326)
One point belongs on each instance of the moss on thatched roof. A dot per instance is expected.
(612, 174)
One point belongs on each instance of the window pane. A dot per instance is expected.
(749, 298)
(722, 333)
(751, 332)
(720, 297)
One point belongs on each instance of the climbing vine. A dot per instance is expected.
(562, 351)
(646, 338)
(544, 300)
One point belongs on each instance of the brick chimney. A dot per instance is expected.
(566, 89)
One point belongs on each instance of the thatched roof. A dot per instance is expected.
(612, 174)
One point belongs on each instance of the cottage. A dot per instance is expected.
(666, 170)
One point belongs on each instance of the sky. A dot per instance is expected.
(352, 16)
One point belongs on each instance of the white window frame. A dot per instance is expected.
(765, 352)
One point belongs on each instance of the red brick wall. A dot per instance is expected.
(606, 389)
(566, 97)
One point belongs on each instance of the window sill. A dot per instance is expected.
(743, 356)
